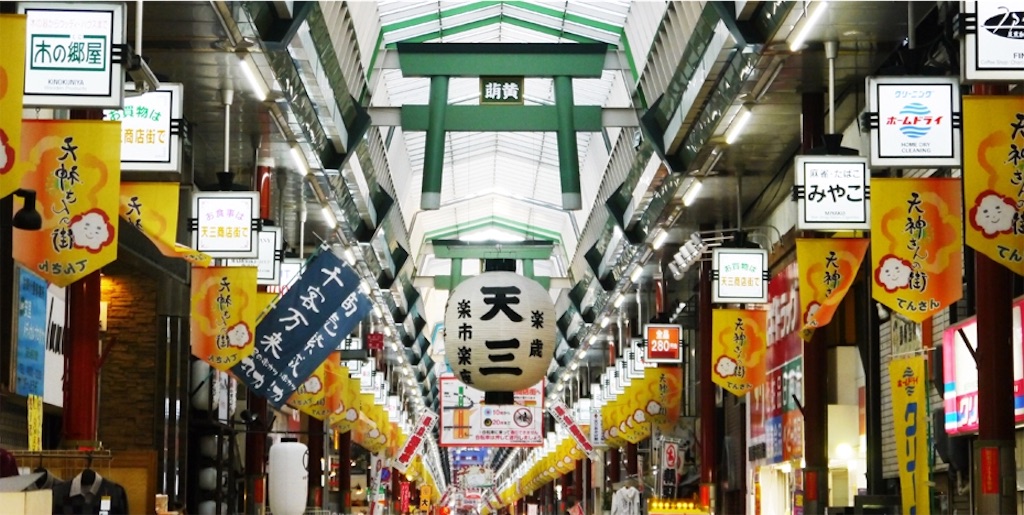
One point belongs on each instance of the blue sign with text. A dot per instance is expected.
(31, 342)
(320, 308)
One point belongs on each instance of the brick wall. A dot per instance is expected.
(127, 400)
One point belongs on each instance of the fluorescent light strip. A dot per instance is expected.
(809, 23)
(329, 217)
(258, 89)
(692, 192)
(659, 239)
(302, 167)
(739, 124)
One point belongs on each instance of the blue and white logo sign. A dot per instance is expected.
(914, 122)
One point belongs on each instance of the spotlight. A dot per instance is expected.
(27, 218)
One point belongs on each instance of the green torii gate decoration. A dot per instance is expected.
(561, 62)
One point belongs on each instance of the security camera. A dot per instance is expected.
(144, 78)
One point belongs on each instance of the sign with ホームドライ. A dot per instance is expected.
(150, 129)
(914, 121)
(499, 331)
(832, 193)
(303, 328)
(69, 54)
(467, 421)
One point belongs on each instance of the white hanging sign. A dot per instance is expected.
(739, 275)
(914, 121)
(151, 127)
(832, 193)
(993, 41)
(268, 262)
(70, 54)
(224, 223)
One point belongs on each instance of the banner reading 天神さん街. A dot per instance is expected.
(916, 253)
(737, 355)
(152, 207)
(910, 423)
(12, 76)
(994, 178)
(74, 168)
(827, 269)
(321, 394)
(223, 321)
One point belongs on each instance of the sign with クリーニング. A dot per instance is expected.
(739, 275)
(914, 122)
(467, 421)
(832, 193)
(224, 223)
(993, 42)
(69, 54)
(150, 129)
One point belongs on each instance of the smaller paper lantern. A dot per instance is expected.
(287, 475)
(499, 332)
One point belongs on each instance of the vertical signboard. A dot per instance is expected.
(151, 128)
(914, 121)
(53, 374)
(910, 423)
(832, 193)
(72, 56)
(31, 335)
(993, 42)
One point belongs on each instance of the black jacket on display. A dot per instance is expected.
(89, 494)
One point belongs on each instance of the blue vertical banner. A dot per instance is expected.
(31, 342)
(320, 308)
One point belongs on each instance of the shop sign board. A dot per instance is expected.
(739, 275)
(270, 249)
(467, 422)
(151, 129)
(415, 441)
(832, 193)
(561, 413)
(664, 343)
(501, 90)
(960, 373)
(226, 223)
(637, 361)
(72, 54)
(914, 121)
(993, 42)
(31, 334)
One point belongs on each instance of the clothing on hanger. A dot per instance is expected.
(89, 494)
(45, 482)
(626, 501)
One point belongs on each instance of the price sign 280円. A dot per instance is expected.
(664, 343)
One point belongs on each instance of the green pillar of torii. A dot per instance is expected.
(562, 62)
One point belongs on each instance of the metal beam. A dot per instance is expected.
(449, 249)
(390, 61)
(458, 118)
(480, 59)
(443, 282)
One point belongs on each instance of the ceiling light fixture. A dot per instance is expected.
(636, 274)
(692, 192)
(259, 90)
(739, 124)
(812, 19)
(659, 239)
(301, 166)
(329, 217)
(619, 299)
(604, 322)
(349, 256)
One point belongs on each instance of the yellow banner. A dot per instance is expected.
(916, 252)
(12, 77)
(152, 207)
(827, 269)
(346, 415)
(313, 395)
(738, 349)
(910, 422)
(994, 178)
(223, 322)
(75, 169)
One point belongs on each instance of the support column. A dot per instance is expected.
(81, 378)
(613, 466)
(345, 472)
(577, 481)
(568, 153)
(263, 176)
(708, 431)
(870, 327)
(994, 471)
(255, 455)
(433, 154)
(631, 461)
(316, 470)
(815, 354)
(566, 483)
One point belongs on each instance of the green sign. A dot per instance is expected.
(501, 90)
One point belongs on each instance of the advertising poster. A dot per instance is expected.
(53, 374)
(224, 313)
(467, 421)
(916, 238)
(12, 75)
(152, 208)
(74, 166)
(827, 269)
(994, 178)
(29, 374)
(737, 355)
(910, 424)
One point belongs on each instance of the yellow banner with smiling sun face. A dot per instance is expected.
(827, 269)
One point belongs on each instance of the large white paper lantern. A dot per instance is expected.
(288, 475)
(499, 331)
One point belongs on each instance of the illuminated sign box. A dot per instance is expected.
(70, 54)
(226, 224)
(663, 343)
(992, 47)
(268, 262)
(151, 129)
(832, 193)
(739, 275)
(914, 122)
